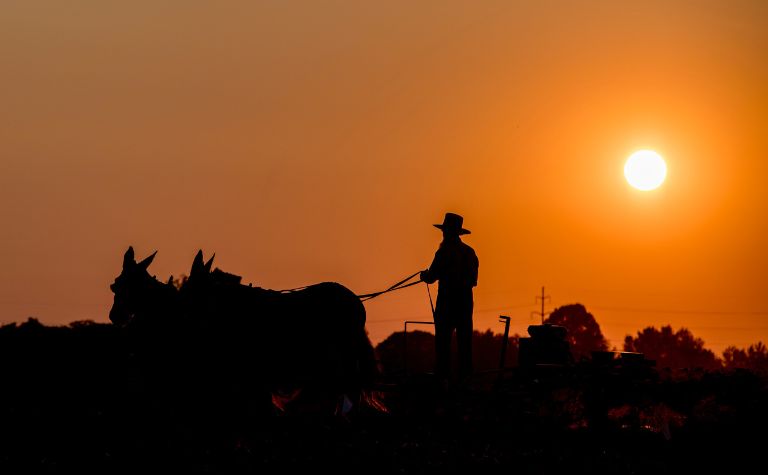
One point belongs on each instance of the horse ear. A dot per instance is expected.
(209, 264)
(197, 264)
(128, 259)
(146, 262)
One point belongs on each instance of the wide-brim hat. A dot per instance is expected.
(453, 222)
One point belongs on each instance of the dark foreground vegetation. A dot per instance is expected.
(74, 399)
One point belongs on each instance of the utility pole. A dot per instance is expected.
(543, 299)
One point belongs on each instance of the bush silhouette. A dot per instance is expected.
(672, 349)
(754, 358)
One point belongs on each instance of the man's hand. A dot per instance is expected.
(423, 276)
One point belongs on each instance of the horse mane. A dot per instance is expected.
(226, 278)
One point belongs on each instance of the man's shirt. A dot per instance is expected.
(455, 265)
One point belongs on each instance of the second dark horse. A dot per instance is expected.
(247, 340)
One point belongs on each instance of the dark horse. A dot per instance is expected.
(248, 341)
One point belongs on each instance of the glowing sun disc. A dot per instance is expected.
(645, 170)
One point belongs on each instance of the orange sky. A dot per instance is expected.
(311, 141)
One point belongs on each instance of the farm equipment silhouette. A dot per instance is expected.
(548, 382)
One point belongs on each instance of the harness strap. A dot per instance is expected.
(288, 291)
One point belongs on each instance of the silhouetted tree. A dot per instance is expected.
(584, 334)
(32, 325)
(486, 349)
(420, 357)
(672, 349)
(754, 358)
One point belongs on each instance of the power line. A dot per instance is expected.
(543, 298)
(477, 311)
(505, 307)
(682, 312)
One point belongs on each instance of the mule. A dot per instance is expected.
(162, 343)
(311, 339)
(228, 340)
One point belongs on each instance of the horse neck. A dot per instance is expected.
(166, 294)
(160, 300)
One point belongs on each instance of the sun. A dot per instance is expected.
(645, 170)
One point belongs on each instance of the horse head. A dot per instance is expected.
(199, 276)
(136, 292)
(202, 278)
(199, 270)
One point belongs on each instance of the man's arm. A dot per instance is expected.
(433, 273)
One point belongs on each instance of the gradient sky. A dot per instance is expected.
(307, 141)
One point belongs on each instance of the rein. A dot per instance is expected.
(397, 286)
(403, 284)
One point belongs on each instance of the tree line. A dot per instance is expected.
(672, 350)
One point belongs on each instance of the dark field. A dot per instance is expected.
(75, 400)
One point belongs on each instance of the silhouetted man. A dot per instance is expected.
(455, 266)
